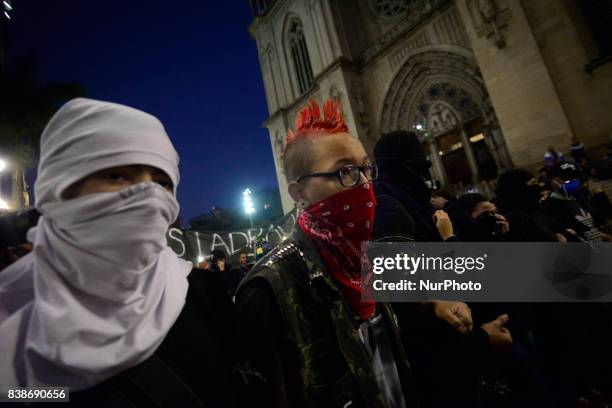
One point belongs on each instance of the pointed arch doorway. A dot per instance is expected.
(441, 97)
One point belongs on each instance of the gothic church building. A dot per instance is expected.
(486, 84)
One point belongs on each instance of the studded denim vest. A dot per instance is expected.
(321, 347)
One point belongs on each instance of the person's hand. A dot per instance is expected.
(457, 314)
(561, 238)
(605, 237)
(503, 223)
(443, 224)
(204, 265)
(499, 336)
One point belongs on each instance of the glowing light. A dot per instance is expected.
(476, 138)
(6, 14)
(4, 205)
(456, 146)
(3, 165)
(7, 5)
(249, 207)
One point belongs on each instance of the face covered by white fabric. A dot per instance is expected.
(102, 288)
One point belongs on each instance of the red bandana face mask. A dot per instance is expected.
(338, 225)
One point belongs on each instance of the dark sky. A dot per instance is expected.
(191, 63)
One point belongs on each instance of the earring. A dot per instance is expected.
(302, 204)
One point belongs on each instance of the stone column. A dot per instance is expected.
(467, 148)
(517, 78)
(504, 157)
(492, 146)
(437, 164)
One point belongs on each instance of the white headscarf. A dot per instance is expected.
(101, 288)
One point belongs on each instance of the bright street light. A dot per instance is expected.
(3, 205)
(249, 208)
(3, 165)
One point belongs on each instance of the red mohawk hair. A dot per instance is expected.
(309, 121)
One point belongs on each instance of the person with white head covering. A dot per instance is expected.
(102, 291)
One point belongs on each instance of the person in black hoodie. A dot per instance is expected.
(402, 194)
(564, 333)
(565, 204)
(519, 196)
(476, 219)
(442, 354)
(224, 271)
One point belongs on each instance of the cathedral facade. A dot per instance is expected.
(486, 84)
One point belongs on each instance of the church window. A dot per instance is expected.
(299, 56)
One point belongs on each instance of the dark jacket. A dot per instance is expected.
(299, 333)
(570, 214)
(394, 203)
(193, 365)
(441, 358)
(400, 216)
(531, 226)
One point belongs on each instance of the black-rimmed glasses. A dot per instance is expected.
(348, 175)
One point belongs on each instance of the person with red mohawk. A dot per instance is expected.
(302, 322)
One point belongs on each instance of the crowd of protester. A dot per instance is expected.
(93, 299)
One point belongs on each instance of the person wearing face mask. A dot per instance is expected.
(439, 336)
(480, 221)
(102, 305)
(402, 186)
(519, 195)
(304, 326)
(563, 205)
(563, 332)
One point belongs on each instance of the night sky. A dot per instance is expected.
(192, 64)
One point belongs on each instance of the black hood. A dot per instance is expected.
(402, 148)
(401, 159)
(514, 193)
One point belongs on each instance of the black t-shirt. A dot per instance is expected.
(570, 214)
(198, 354)
(532, 226)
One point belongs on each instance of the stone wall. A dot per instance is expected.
(520, 85)
(586, 97)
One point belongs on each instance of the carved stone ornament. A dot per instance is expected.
(390, 9)
(442, 118)
(361, 114)
(418, 11)
(334, 93)
(489, 18)
(279, 147)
